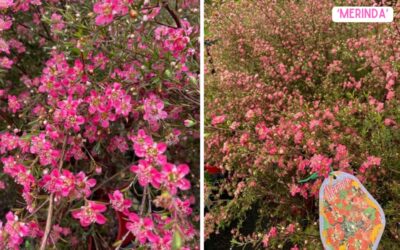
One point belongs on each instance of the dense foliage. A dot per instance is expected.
(99, 141)
(289, 93)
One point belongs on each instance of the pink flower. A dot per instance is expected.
(273, 232)
(390, 95)
(250, 114)
(118, 142)
(91, 133)
(57, 232)
(147, 174)
(174, 40)
(294, 189)
(173, 177)
(94, 101)
(244, 138)
(321, 165)
(105, 10)
(218, 120)
(19, 172)
(6, 63)
(69, 106)
(4, 4)
(182, 206)
(15, 230)
(150, 14)
(145, 147)
(104, 115)
(83, 185)
(49, 157)
(90, 214)
(56, 22)
(389, 122)
(74, 122)
(68, 113)
(118, 202)
(100, 60)
(265, 240)
(4, 47)
(290, 229)
(66, 184)
(371, 161)
(140, 227)
(5, 23)
(60, 184)
(262, 131)
(154, 109)
(125, 106)
(17, 45)
(13, 104)
(123, 6)
(140, 140)
(9, 142)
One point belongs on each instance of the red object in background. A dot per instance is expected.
(121, 219)
(122, 229)
(121, 232)
(212, 170)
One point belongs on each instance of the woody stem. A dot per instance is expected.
(51, 200)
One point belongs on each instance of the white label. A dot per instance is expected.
(361, 14)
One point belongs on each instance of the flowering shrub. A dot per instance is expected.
(95, 147)
(289, 94)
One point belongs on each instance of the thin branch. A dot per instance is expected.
(48, 223)
(51, 203)
(112, 177)
(37, 209)
(123, 239)
(173, 15)
(144, 196)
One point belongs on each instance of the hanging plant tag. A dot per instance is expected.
(349, 217)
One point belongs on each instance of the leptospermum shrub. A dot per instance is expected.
(289, 94)
(99, 141)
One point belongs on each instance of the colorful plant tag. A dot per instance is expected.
(349, 217)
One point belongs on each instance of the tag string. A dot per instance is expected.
(314, 176)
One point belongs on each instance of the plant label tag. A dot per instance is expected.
(349, 217)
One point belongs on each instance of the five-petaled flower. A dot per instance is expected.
(91, 213)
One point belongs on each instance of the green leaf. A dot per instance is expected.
(177, 241)
(117, 243)
(76, 51)
(168, 73)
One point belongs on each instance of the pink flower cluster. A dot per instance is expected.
(371, 161)
(171, 176)
(174, 40)
(66, 184)
(154, 111)
(5, 61)
(106, 10)
(67, 104)
(19, 172)
(118, 202)
(14, 232)
(45, 150)
(5, 4)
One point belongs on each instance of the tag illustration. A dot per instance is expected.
(349, 217)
